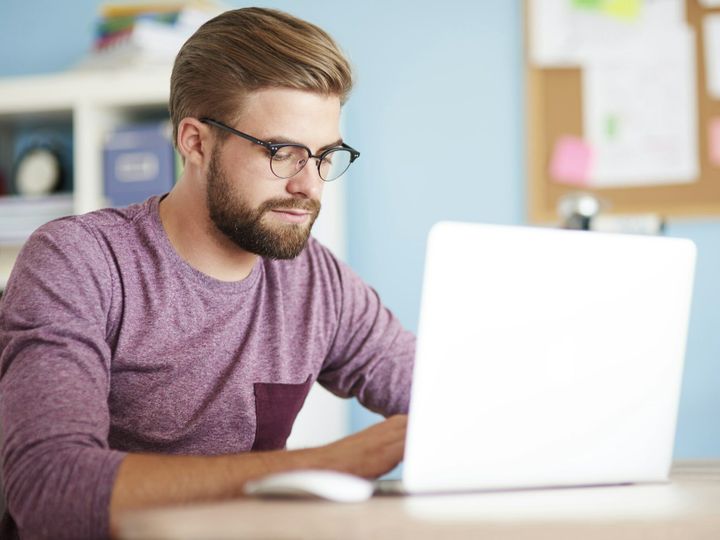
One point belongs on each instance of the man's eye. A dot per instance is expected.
(283, 155)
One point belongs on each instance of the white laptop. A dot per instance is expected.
(546, 358)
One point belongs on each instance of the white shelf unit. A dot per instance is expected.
(93, 103)
(90, 104)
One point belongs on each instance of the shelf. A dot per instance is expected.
(44, 94)
(20, 216)
(81, 107)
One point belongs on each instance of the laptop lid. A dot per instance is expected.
(546, 357)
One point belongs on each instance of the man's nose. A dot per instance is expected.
(307, 182)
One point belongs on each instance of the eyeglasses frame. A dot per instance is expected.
(274, 148)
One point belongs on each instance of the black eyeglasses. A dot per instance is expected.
(288, 159)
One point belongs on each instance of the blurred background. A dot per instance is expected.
(440, 113)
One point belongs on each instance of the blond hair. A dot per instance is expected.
(248, 49)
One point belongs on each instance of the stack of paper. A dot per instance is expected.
(145, 34)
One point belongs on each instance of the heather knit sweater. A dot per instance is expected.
(111, 343)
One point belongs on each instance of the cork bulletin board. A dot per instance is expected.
(555, 109)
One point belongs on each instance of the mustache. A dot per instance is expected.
(309, 205)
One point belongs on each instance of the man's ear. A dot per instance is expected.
(193, 141)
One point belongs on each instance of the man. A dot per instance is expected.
(158, 354)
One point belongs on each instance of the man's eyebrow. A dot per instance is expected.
(286, 140)
(331, 145)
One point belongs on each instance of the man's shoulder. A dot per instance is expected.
(83, 227)
(86, 239)
(112, 218)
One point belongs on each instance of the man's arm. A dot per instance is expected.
(54, 384)
(146, 480)
(371, 357)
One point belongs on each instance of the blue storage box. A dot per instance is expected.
(138, 162)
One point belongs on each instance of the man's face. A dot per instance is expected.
(258, 211)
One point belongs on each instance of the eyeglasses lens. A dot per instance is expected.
(334, 164)
(289, 160)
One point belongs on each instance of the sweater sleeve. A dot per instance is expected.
(54, 385)
(372, 355)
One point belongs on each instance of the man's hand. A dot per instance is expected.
(369, 453)
(147, 480)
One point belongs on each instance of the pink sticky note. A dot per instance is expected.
(570, 163)
(714, 140)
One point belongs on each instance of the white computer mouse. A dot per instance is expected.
(330, 485)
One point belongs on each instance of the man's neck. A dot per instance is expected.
(195, 238)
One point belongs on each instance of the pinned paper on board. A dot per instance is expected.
(622, 9)
(628, 10)
(571, 161)
(640, 114)
(714, 140)
(566, 33)
(638, 96)
(588, 4)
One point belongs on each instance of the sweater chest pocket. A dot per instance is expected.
(276, 407)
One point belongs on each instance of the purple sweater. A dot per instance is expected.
(111, 343)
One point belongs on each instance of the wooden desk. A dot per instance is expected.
(687, 508)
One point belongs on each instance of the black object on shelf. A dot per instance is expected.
(43, 162)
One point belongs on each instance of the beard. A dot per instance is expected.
(245, 226)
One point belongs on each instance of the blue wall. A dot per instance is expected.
(430, 76)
